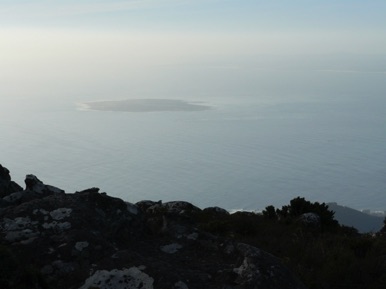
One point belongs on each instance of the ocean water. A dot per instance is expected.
(270, 135)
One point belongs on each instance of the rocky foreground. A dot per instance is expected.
(87, 239)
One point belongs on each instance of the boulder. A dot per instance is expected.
(7, 186)
(34, 189)
(33, 184)
(216, 211)
(175, 208)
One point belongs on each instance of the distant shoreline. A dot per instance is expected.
(144, 105)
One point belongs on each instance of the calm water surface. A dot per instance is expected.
(268, 137)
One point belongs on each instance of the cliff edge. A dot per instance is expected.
(88, 239)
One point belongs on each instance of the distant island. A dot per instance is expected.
(145, 105)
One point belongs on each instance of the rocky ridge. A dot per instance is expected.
(87, 239)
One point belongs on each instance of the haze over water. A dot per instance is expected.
(294, 104)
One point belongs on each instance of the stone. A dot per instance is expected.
(171, 248)
(60, 214)
(133, 209)
(34, 189)
(14, 197)
(7, 186)
(81, 245)
(216, 211)
(175, 207)
(132, 278)
(35, 185)
(57, 226)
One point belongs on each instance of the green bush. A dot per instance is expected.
(299, 206)
(332, 257)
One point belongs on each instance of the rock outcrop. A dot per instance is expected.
(7, 186)
(87, 239)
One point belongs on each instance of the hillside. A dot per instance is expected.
(363, 222)
(89, 240)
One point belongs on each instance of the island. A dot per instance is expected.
(144, 105)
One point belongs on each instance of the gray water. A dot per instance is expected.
(270, 135)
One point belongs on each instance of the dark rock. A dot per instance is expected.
(35, 185)
(145, 204)
(175, 208)
(7, 186)
(89, 190)
(35, 189)
(259, 269)
(91, 240)
(216, 211)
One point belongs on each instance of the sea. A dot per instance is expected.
(271, 133)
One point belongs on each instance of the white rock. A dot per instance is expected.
(41, 211)
(61, 213)
(16, 224)
(60, 226)
(19, 229)
(247, 270)
(171, 248)
(81, 245)
(131, 278)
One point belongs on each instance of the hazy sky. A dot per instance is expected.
(86, 40)
(213, 15)
(333, 25)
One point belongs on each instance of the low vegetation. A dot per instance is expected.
(323, 255)
(13, 271)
